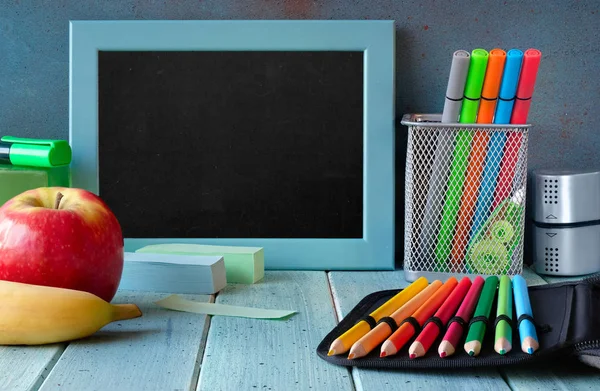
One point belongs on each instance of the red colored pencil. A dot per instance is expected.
(431, 331)
(401, 336)
(465, 312)
(529, 71)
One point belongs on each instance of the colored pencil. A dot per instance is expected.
(506, 98)
(503, 337)
(529, 71)
(455, 329)
(527, 333)
(431, 331)
(343, 343)
(458, 166)
(439, 171)
(373, 338)
(401, 336)
(485, 115)
(484, 307)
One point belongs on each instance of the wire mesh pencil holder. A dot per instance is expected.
(465, 198)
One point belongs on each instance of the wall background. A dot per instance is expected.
(34, 59)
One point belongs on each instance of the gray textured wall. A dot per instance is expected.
(34, 55)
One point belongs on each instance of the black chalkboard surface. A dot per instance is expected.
(244, 144)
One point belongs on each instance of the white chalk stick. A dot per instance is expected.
(170, 273)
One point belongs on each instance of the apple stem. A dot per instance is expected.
(59, 197)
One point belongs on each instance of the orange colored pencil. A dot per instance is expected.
(401, 336)
(373, 338)
(485, 115)
(343, 343)
(431, 331)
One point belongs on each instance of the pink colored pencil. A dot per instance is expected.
(455, 330)
(431, 331)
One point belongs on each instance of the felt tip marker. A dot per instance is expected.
(34, 152)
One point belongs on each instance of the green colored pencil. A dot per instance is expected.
(484, 307)
(460, 156)
(503, 338)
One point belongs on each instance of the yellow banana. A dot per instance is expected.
(36, 315)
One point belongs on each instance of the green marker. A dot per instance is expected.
(34, 152)
(503, 337)
(484, 307)
(460, 157)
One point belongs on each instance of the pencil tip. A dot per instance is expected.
(351, 356)
(502, 351)
(530, 350)
(382, 354)
(412, 355)
(443, 354)
(331, 352)
(471, 352)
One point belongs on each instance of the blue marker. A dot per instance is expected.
(527, 333)
(506, 99)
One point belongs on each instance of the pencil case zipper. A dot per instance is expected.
(424, 363)
(586, 345)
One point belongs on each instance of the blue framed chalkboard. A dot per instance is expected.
(276, 134)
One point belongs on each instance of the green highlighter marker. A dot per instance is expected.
(468, 115)
(34, 152)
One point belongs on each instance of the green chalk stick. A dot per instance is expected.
(244, 265)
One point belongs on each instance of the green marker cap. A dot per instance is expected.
(38, 152)
(476, 75)
(473, 86)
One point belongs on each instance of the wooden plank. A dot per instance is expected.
(348, 289)
(556, 279)
(25, 368)
(160, 350)
(569, 375)
(532, 278)
(256, 354)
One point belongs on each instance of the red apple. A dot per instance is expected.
(61, 237)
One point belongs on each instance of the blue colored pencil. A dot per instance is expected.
(506, 100)
(527, 333)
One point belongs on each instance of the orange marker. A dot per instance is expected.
(401, 336)
(485, 115)
(373, 338)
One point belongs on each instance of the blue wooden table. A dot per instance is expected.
(169, 350)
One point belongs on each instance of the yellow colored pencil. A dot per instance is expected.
(382, 331)
(345, 341)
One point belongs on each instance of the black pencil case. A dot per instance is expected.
(567, 318)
